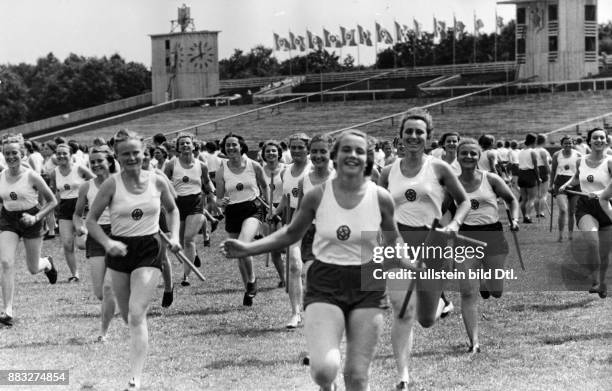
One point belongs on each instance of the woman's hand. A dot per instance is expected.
(115, 248)
(28, 220)
(234, 248)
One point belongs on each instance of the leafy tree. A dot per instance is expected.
(13, 95)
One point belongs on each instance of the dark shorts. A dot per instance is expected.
(212, 175)
(92, 247)
(9, 221)
(514, 169)
(543, 173)
(527, 179)
(235, 214)
(65, 209)
(586, 206)
(561, 180)
(342, 286)
(142, 251)
(189, 205)
(417, 234)
(492, 234)
(307, 240)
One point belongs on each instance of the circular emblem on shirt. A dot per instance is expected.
(66, 187)
(13, 196)
(590, 178)
(474, 204)
(566, 167)
(137, 214)
(185, 179)
(272, 186)
(239, 186)
(343, 232)
(410, 195)
(295, 192)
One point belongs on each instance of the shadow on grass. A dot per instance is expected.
(551, 307)
(561, 339)
(44, 344)
(250, 362)
(250, 332)
(232, 290)
(199, 311)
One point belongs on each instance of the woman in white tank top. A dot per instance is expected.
(239, 181)
(134, 198)
(272, 155)
(102, 164)
(449, 142)
(482, 223)
(66, 179)
(593, 214)
(21, 218)
(563, 169)
(349, 211)
(189, 177)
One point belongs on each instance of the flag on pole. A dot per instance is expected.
(348, 36)
(383, 35)
(402, 33)
(458, 28)
(314, 41)
(281, 43)
(365, 36)
(292, 41)
(300, 43)
(331, 40)
(499, 21)
(442, 29)
(417, 28)
(478, 24)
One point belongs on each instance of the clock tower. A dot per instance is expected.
(185, 65)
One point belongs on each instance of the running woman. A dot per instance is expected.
(594, 175)
(563, 169)
(66, 179)
(21, 218)
(238, 182)
(449, 142)
(336, 301)
(543, 158)
(418, 183)
(134, 198)
(102, 163)
(528, 177)
(189, 177)
(482, 223)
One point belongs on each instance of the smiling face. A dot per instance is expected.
(232, 147)
(185, 145)
(271, 153)
(158, 155)
(319, 154)
(567, 145)
(450, 143)
(130, 155)
(63, 155)
(12, 154)
(299, 150)
(98, 163)
(468, 156)
(599, 140)
(351, 158)
(414, 135)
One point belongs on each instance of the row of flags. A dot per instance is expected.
(362, 36)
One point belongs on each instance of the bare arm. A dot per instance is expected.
(383, 180)
(261, 181)
(167, 201)
(77, 219)
(553, 171)
(502, 190)
(103, 200)
(85, 173)
(51, 202)
(451, 182)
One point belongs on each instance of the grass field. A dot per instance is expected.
(555, 340)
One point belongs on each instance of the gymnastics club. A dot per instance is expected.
(428, 241)
(180, 255)
(552, 209)
(287, 250)
(579, 193)
(514, 236)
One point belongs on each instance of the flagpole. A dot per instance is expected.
(454, 36)
(495, 39)
(375, 47)
(474, 43)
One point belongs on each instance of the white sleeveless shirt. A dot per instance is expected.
(276, 185)
(290, 183)
(483, 204)
(20, 195)
(567, 165)
(68, 186)
(524, 159)
(135, 214)
(418, 200)
(594, 180)
(240, 187)
(346, 237)
(187, 181)
(92, 192)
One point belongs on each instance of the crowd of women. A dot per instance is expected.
(326, 205)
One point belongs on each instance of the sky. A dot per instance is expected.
(32, 28)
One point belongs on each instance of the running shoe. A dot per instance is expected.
(603, 291)
(448, 308)
(594, 288)
(485, 294)
(48, 237)
(207, 243)
(527, 220)
(6, 320)
(474, 349)
(168, 298)
(185, 281)
(252, 288)
(52, 272)
(294, 321)
(197, 262)
(281, 284)
(403, 385)
(132, 385)
(74, 279)
(101, 339)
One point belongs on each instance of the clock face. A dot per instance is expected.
(199, 56)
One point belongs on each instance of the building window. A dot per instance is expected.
(553, 44)
(590, 13)
(590, 44)
(520, 46)
(521, 16)
(167, 61)
(553, 14)
(167, 44)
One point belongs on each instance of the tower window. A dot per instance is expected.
(520, 46)
(521, 16)
(590, 44)
(553, 44)
(553, 12)
(590, 13)
(167, 44)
